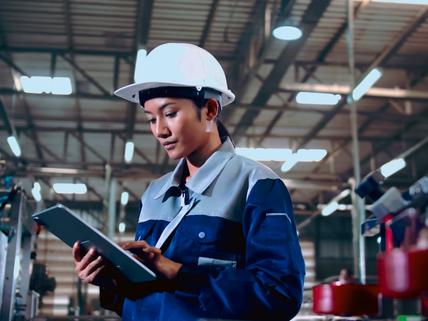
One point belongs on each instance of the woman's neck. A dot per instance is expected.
(199, 157)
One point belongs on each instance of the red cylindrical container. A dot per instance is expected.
(403, 274)
(345, 299)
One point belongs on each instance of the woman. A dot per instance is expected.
(219, 230)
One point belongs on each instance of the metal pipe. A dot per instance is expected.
(358, 212)
(375, 92)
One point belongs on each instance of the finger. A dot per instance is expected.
(76, 252)
(84, 272)
(88, 258)
(153, 250)
(133, 244)
(94, 266)
(91, 277)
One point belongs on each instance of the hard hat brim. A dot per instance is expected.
(130, 92)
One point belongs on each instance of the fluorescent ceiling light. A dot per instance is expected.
(141, 56)
(37, 186)
(48, 85)
(35, 191)
(289, 164)
(310, 155)
(70, 188)
(265, 154)
(287, 33)
(124, 197)
(55, 170)
(368, 81)
(122, 227)
(344, 193)
(420, 2)
(129, 151)
(14, 146)
(330, 208)
(314, 98)
(392, 167)
(61, 86)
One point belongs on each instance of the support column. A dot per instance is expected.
(112, 208)
(358, 210)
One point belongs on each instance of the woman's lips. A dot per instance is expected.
(169, 145)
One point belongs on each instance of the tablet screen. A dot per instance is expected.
(69, 227)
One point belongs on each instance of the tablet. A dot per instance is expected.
(69, 227)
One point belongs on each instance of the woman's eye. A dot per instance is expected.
(151, 120)
(171, 114)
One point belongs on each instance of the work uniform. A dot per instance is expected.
(236, 238)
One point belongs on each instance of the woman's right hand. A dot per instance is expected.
(91, 268)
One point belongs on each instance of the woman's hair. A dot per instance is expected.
(222, 130)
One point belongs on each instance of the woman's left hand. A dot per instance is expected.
(152, 257)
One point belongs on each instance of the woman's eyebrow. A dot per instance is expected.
(162, 107)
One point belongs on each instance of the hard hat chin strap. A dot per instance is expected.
(199, 95)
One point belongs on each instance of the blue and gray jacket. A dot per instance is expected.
(237, 242)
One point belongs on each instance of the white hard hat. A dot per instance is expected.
(179, 65)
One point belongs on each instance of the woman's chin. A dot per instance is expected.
(175, 155)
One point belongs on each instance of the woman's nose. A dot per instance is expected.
(161, 129)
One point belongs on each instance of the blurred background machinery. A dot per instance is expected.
(23, 281)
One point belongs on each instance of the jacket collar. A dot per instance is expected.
(206, 173)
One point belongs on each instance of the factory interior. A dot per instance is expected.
(331, 95)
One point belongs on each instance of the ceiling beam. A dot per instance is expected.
(375, 92)
(144, 18)
(5, 117)
(309, 72)
(208, 23)
(11, 64)
(309, 21)
(142, 27)
(88, 77)
(34, 134)
(383, 56)
(87, 146)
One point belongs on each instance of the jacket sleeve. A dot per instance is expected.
(270, 284)
(111, 300)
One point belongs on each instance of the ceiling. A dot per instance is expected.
(94, 42)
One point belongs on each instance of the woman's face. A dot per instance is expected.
(176, 124)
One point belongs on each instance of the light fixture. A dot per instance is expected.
(344, 193)
(420, 2)
(368, 81)
(310, 155)
(330, 208)
(265, 154)
(70, 188)
(122, 227)
(35, 191)
(289, 164)
(314, 98)
(141, 56)
(48, 85)
(285, 155)
(392, 167)
(14, 146)
(61, 86)
(287, 33)
(124, 197)
(129, 151)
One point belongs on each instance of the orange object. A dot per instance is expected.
(345, 299)
(403, 274)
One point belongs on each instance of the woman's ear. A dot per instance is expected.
(213, 109)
